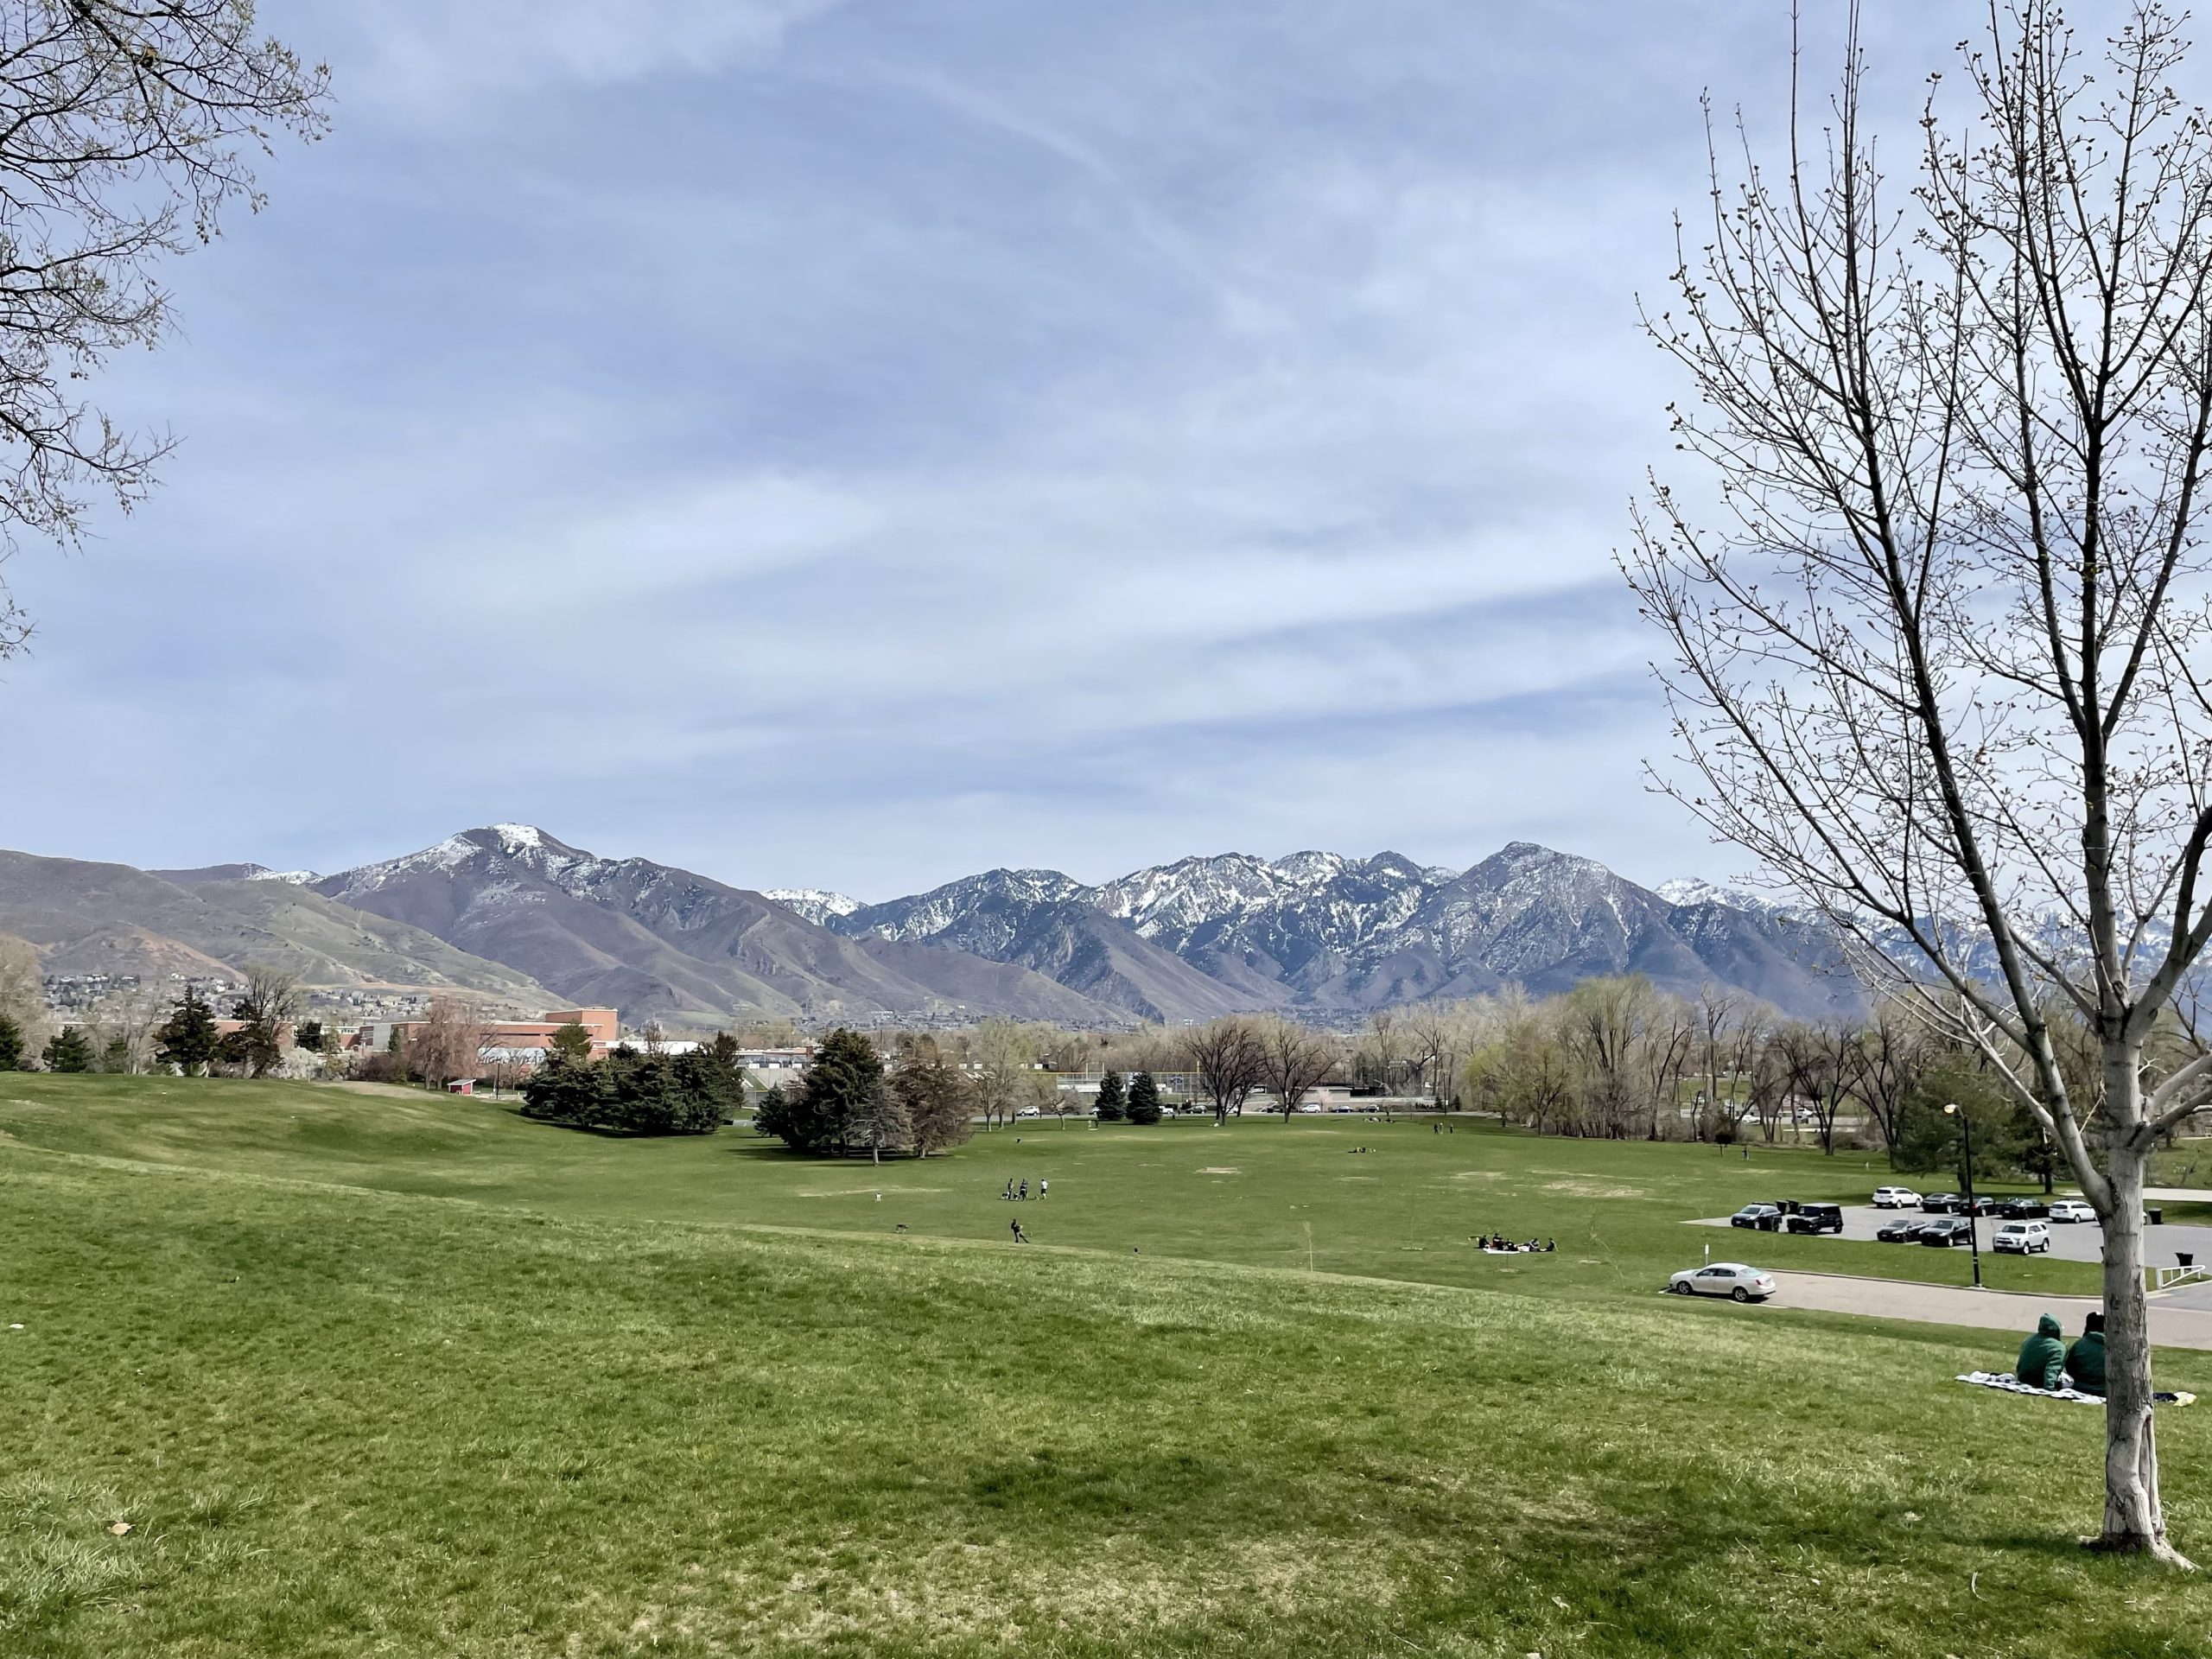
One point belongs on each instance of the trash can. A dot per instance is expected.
(2182, 1258)
(2156, 1215)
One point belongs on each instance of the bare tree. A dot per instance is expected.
(1939, 655)
(1001, 1055)
(449, 1044)
(1895, 1047)
(1825, 1066)
(1292, 1059)
(22, 991)
(1716, 1014)
(121, 127)
(1224, 1055)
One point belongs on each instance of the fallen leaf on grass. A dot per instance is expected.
(120, 1528)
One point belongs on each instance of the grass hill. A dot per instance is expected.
(342, 1412)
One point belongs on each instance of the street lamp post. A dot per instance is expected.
(1973, 1221)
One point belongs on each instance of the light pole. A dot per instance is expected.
(1973, 1222)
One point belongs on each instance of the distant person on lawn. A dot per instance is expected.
(2041, 1364)
(2085, 1360)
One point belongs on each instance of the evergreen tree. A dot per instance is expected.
(1112, 1101)
(1144, 1099)
(11, 1045)
(1930, 1140)
(935, 1096)
(187, 1039)
(67, 1050)
(838, 1105)
(116, 1057)
(570, 1042)
(309, 1036)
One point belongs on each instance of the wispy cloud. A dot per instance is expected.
(856, 444)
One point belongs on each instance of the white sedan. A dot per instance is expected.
(1724, 1278)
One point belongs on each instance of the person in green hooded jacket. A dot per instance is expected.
(2085, 1360)
(2041, 1362)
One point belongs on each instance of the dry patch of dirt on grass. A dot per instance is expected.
(1594, 1190)
(863, 1191)
(1003, 1594)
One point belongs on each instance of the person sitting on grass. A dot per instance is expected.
(2085, 1360)
(2041, 1364)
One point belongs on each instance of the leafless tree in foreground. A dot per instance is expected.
(122, 126)
(1939, 652)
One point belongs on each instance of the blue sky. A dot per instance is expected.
(854, 445)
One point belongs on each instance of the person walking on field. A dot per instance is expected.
(1020, 1237)
(1044, 1187)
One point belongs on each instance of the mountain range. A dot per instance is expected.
(518, 916)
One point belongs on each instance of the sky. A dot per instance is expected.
(856, 445)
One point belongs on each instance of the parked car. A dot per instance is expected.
(1755, 1215)
(2072, 1210)
(1745, 1284)
(1953, 1229)
(1816, 1218)
(2023, 1210)
(1939, 1204)
(1979, 1206)
(1031, 1111)
(1896, 1198)
(1901, 1232)
(2022, 1238)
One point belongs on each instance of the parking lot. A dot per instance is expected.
(2070, 1240)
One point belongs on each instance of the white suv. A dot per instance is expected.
(2022, 1237)
(2072, 1210)
(1896, 1198)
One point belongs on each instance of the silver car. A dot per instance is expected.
(1733, 1279)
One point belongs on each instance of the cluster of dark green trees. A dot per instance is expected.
(637, 1092)
(850, 1102)
(67, 1050)
(1138, 1103)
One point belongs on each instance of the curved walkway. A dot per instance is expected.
(2173, 1323)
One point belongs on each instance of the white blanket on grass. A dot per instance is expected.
(2013, 1384)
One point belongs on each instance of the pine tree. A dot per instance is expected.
(1113, 1104)
(570, 1042)
(187, 1039)
(836, 1106)
(1144, 1099)
(67, 1050)
(11, 1045)
(116, 1057)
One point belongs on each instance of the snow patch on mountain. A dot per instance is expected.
(817, 905)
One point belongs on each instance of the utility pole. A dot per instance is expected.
(1973, 1221)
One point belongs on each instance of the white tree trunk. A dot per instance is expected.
(2134, 1520)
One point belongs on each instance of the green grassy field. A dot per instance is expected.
(1259, 1190)
(375, 1375)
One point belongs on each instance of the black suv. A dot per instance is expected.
(1816, 1218)
(1957, 1230)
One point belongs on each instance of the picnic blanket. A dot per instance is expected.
(2013, 1384)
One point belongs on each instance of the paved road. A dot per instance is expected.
(2172, 1326)
(2070, 1240)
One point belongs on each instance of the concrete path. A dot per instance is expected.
(2178, 1194)
(2174, 1323)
